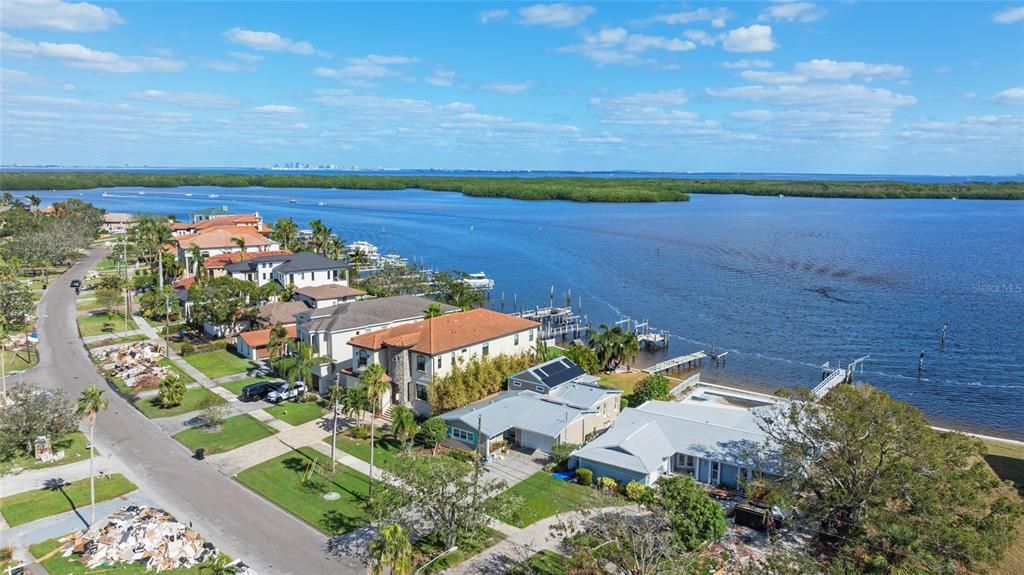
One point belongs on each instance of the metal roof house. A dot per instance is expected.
(547, 376)
(714, 443)
(533, 420)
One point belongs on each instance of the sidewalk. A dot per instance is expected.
(37, 478)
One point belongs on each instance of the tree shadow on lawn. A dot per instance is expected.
(57, 484)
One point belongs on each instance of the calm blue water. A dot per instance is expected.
(783, 283)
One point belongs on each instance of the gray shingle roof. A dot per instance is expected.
(643, 437)
(306, 261)
(551, 373)
(249, 263)
(578, 395)
(524, 410)
(357, 314)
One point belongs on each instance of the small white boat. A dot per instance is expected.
(293, 201)
(105, 195)
(781, 196)
(188, 195)
(478, 280)
(214, 196)
(321, 204)
(142, 193)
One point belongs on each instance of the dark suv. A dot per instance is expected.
(257, 391)
(76, 283)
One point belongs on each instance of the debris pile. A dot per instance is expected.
(137, 364)
(144, 535)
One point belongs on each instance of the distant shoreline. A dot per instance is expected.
(570, 188)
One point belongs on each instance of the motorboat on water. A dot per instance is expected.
(105, 195)
(214, 195)
(321, 204)
(478, 280)
(188, 194)
(293, 201)
(142, 193)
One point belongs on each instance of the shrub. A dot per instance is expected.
(650, 387)
(213, 411)
(172, 392)
(361, 431)
(473, 380)
(433, 431)
(623, 403)
(584, 477)
(608, 485)
(635, 490)
(187, 349)
(561, 452)
(462, 455)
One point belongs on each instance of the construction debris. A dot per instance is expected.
(144, 535)
(137, 364)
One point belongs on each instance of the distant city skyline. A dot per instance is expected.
(802, 87)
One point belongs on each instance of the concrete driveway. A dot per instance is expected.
(516, 465)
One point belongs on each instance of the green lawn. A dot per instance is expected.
(233, 433)
(219, 363)
(624, 381)
(279, 480)
(296, 413)
(116, 340)
(87, 303)
(92, 324)
(543, 496)
(32, 505)
(544, 563)
(467, 548)
(186, 378)
(193, 399)
(59, 565)
(73, 445)
(385, 455)
(18, 360)
(235, 387)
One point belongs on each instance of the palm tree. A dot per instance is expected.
(433, 310)
(286, 231)
(321, 236)
(334, 247)
(198, 262)
(403, 424)
(337, 396)
(34, 201)
(358, 259)
(375, 384)
(278, 341)
(301, 364)
(629, 348)
(240, 242)
(219, 565)
(90, 403)
(391, 551)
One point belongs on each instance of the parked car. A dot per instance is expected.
(76, 283)
(283, 392)
(257, 391)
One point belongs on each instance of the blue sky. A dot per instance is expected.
(852, 87)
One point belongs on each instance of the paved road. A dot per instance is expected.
(235, 519)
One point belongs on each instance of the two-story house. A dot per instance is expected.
(413, 354)
(223, 240)
(303, 269)
(329, 329)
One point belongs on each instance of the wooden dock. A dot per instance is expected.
(689, 361)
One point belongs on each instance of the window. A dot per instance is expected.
(463, 351)
(291, 278)
(462, 435)
(716, 471)
(531, 335)
(438, 362)
(539, 388)
(516, 384)
(684, 461)
(515, 339)
(486, 349)
(421, 363)
(363, 357)
(264, 275)
(421, 392)
(302, 276)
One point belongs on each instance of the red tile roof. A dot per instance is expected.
(445, 333)
(261, 337)
(222, 237)
(220, 260)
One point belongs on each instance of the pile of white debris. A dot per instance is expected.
(144, 535)
(137, 364)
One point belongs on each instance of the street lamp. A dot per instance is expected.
(451, 549)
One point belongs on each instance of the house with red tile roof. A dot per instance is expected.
(255, 345)
(412, 354)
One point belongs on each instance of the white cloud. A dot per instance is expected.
(508, 88)
(619, 46)
(833, 70)
(754, 38)
(987, 135)
(79, 56)
(700, 36)
(246, 57)
(1013, 96)
(555, 15)
(717, 17)
(276, 109)
(68, 87)
(654, 114)
(747, 64)
(753, 115)
(644, 99)
(459, 107)
(772, 77)
(1009, 16)
(186, 99)
(818, 96)
(58, 15)
(366, 71)
(268, 41)
(440, 77)
(488, 16)
(793, 12)
(221, 65)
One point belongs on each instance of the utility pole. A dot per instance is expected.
(479, 459)
(334, 430)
